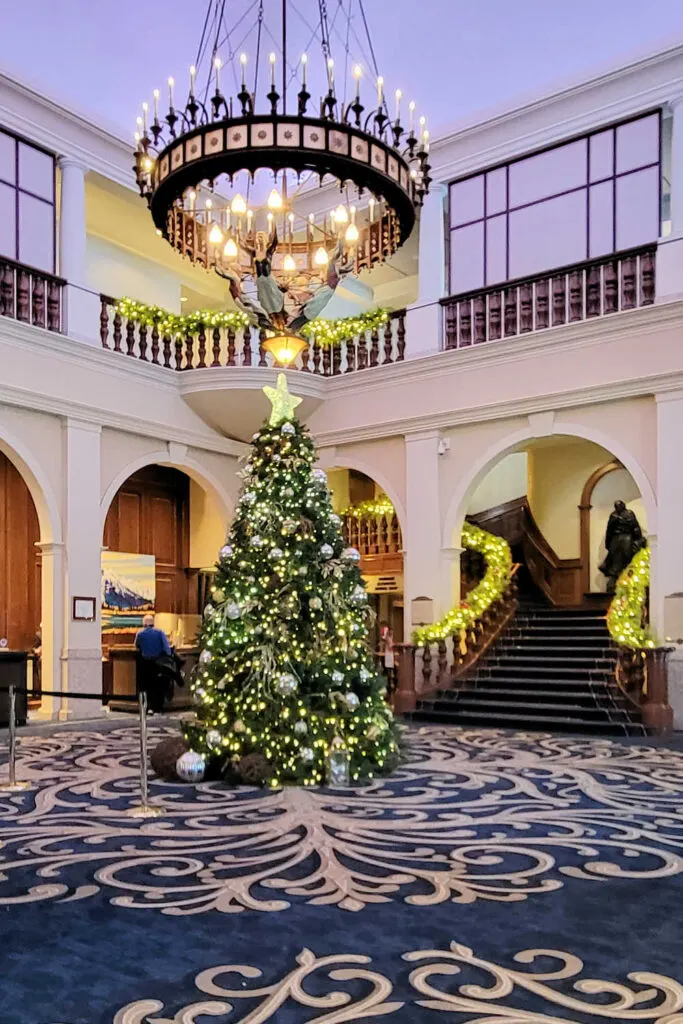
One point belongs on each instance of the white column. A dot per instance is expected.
(82, 652)
(422, 537)
(450, 578)
(82, 304)
(425, 316)
(667, 551)
(52, 614)
(669, 268)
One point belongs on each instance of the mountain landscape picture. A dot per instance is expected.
(128, 590)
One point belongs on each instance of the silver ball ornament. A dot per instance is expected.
(300, 727)
(190, 767)
(226, 551)
(287, 428)
(358, 595)
(351, 700)
(335, 519)
(286, 684)
(350, 555)
(303, 570)
(233, 610)
(307, 755)
(276, 457)
(205, 657)
(256, 541)
(214, 738)
(319, 475)
(364, 675)
(315, 603)
(248, 497)
(288, 492)
(326, 551)
(276, 554)
(337, 677)
(209, 611)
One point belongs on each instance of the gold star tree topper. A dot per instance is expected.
(282, 402)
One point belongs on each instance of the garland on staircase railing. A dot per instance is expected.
(325, 332)
(491, 588)
(381, 506)
(626, 612)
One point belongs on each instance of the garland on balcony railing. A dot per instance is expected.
(333, 332)
(325, 332)
(381, 506)
(625, 615)
(498, 558)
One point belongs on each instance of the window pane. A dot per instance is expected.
(548, 173)
(467, 200)
(548, 235)
(36, 171)
(602, 155)
(36, 233)
(601, 219)
(8, 228)
(8, 162)
(638, 143)
(638, 208)
(496, 239)
(467, 258)
(496, 187)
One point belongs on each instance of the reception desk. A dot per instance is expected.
(120, 678)
(12, 673)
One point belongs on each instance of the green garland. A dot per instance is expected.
(325, 332)
(498, 557)
(176, 323)
(333, 332)
(625, 615)
(367, 509)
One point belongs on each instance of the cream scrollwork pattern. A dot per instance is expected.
(511, 995)
(471, 815)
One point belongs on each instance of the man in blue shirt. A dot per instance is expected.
(153, 650)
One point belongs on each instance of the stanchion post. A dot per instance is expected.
(144, 809)
(12, 786)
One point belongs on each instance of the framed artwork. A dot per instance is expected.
(128, 590)
(84, 609)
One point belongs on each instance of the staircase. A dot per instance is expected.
(552, 670)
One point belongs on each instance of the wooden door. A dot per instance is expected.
(19, 560)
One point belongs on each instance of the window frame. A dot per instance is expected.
(505, 166)
(19, 191)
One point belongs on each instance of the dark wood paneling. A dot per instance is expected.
(19, 560)
(150, 515)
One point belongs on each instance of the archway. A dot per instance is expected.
(609, 483)
(546, 515)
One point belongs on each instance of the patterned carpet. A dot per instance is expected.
(496, 878)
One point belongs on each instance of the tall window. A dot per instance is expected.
(577, 201)
(27, 203)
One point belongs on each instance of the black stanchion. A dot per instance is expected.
(144, 809)
(12, 786)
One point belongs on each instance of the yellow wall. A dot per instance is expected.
(618, 485)
(557, 475)
(207, 528)
(338, 480)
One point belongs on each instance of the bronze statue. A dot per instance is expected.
(622, 539)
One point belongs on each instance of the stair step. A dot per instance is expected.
(534, 685)
(579, 653)
(536, 708)
(550, 723)
(580, 698)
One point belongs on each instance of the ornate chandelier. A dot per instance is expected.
(196, 165)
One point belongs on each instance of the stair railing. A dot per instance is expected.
(433, 665)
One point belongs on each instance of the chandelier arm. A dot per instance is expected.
(200, 48)
(369, 37)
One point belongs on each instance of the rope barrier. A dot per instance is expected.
(144, 809)
(72, 696)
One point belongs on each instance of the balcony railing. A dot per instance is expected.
(31, 296)
(580, 292)
(218, 346)
(373, 535)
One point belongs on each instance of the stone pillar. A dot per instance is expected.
(422, 537)
(82, 652)
(667, 552)
(52, 615)
(450, 578)
(82, 305)
(669, 267)
(424, 318)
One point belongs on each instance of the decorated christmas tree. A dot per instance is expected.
(286, 682)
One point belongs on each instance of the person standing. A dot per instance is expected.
(154, 655)
(388, 657)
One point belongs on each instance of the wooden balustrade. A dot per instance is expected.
(373, 535)
(581, 292)
(218, 346)
(31, 296)
(641, 676)
(438, 664)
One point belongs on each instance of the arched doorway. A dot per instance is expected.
(609, 483)
(370, 523)
(161, 538)
(20, 580)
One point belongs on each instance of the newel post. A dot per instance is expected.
(656, 711)
(405, 697)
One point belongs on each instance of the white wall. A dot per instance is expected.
(506, 481)
(615, 486)
(116, 272)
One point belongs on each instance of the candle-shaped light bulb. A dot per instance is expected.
(145, 108)
(423, 123)
(230, 249)
(341, 214)
(411, 108)
(238, 206)
(304, 62)
(272, 58)
(215, 235)
(156, 105)
(321, 259)
(330, 73)
(270, 220)
(193, 75)
(138, 121)
(380, 91)
(243, 62)
(288, 263)
(351, 234)
(274, 200)
(371, 208)
(250, 214)
(399, 94)
(358, 74)
(209, 204)
(193, 199)
(171, 83)
(218, 64)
